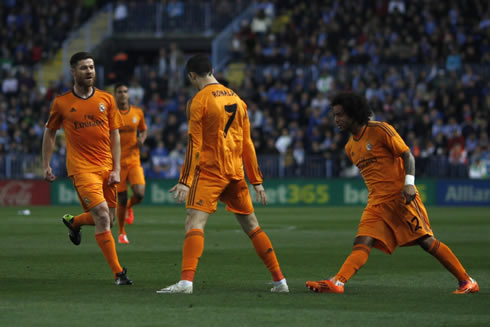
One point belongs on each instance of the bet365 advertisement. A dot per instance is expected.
(315, 192)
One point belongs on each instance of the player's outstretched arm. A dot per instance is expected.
(49, 139)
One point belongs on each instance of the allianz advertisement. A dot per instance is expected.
(314, 192)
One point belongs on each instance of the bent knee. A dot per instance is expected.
(139, 195)
(366, 240)
(426, 242)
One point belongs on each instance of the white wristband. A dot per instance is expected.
(409, 180)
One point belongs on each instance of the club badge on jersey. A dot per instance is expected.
(101, 107)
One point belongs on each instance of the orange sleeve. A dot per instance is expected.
(55, 117)
(249, 156)
(394, 142)
(142, 123)
(115, 118)
(347, 148)
(194, 143)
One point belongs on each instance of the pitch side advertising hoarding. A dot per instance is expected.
(24, 192)
(314, 192)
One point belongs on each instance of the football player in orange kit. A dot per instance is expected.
(219, 145)
(91, 123)
(131, 170)
(395, 215)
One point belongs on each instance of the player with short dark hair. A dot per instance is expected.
(395, 215)
(133, 135)
(91, 123)
(219, 146)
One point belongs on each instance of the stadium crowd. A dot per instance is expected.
(421, 65)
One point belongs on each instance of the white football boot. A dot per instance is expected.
(280, 286)
(183, 286)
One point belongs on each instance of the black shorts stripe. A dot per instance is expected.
(192, 193)
(187, 161)
(423, 218)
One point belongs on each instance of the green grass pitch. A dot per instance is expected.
(47, 281)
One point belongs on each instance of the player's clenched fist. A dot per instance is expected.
(48, 175)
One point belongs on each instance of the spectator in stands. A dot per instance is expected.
(478, 170)
(261, 24)
(120, 15)
(160, 161)
(301, 42)
(136, 92)
(10, 85)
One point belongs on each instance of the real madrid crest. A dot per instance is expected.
(101, 107)
(135, 120)
(369, 147)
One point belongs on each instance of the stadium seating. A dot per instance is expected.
(421, 65)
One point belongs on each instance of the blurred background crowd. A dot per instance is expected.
(422, 65)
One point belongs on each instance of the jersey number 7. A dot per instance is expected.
(231, 108)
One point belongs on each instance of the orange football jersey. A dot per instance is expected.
(219, 139)
(376, 152)
(134, 121)
(87, 124)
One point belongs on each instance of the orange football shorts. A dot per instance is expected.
(395, 223)
(92, 189)
(206, 190)
(131, 174)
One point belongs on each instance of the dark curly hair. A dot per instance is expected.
(355, 106)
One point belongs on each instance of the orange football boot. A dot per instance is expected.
(325, 286)
(129, 216)
(123, 239)
(467, 286)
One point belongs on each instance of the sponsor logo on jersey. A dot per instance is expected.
(85, 124)
(363, 163)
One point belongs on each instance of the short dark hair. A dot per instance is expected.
(119, 84)
(355, 106)
(80, 56)
(199, 64)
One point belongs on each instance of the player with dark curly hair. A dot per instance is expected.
(395, 215)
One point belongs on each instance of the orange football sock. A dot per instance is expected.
(263, 247)
(108, 247)
(83, 219)
(448, 259)
(354, 262)
(132, 201)
(121, 218)
(191, 252)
